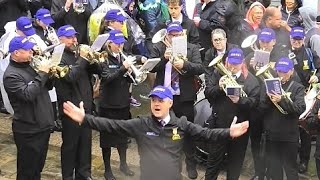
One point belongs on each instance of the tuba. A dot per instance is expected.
(78, 6)
(227, 75)
(139, 76)
(264, 73)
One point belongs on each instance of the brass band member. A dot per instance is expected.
(75, 86)
(313, 121)
(306, 62)
(33, 116)
(181, 85)
(114, 100)
(224, 108)
(282, 132)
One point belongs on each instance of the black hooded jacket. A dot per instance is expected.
(293, 18)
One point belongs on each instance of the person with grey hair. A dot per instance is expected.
(220, 46)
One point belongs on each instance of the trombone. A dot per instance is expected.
(264, 73)
(160, 37)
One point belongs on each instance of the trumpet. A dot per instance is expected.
(78, 6)
(92, 56)
(55, 70)
(227, 75)
(264, 73)
(139, 76)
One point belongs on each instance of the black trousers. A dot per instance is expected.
(235, 150)
(318, 167)
(75, 150)
(256, 130)
(282, 155)
(185, 108)
(31, 154)
(305, 146)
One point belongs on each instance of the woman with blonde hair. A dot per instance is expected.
(254, 15)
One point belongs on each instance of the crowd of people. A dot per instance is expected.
(237, 46)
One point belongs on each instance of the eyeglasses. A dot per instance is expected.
(218, 39)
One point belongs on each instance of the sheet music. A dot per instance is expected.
(179, 46)
(149, 64)
(99, 42)
(57, 54)
(273, 85)
(261, 58)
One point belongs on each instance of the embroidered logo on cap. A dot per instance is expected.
(266, 33)
(284, 63)
(28, 26)
(46, 15)
(159, 89)
(69, 28)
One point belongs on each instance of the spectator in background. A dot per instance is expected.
(35, 5)
(63, 13)
(290, 13)
(254, 15)
(10, 10)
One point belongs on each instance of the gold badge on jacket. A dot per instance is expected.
(305, 65)
(175, 135)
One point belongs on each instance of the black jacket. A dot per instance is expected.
(114, 87)
(10, 10)
(160, 154)
(29, 97)
(209, 21)
(192, 67)
(76, 85)
(301, 58)
(293, 18)
(223, 109)
(283, 127)
(78, 21)
(187, 24)
(313, 123)
(212, 53)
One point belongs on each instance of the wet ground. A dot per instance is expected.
(52, 169)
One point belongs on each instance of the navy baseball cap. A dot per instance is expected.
(116, 37)
(24, 24)
(235, 56)
(297, 33)
(174, 26)
(161, 92)
(20, 42)
(267, 35)
(66, 31)
(284, 65)
(44, 15)
(115, 15)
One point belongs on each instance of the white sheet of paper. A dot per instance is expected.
(179, 46)
(99, 42)
(149, 64)
(57, 54)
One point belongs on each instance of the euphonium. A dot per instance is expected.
(264, 73)
(92, 56)
(227, 75)
(78, 6)
(139, 76)
(56, 71)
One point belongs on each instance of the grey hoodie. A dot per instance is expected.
(309, 16)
